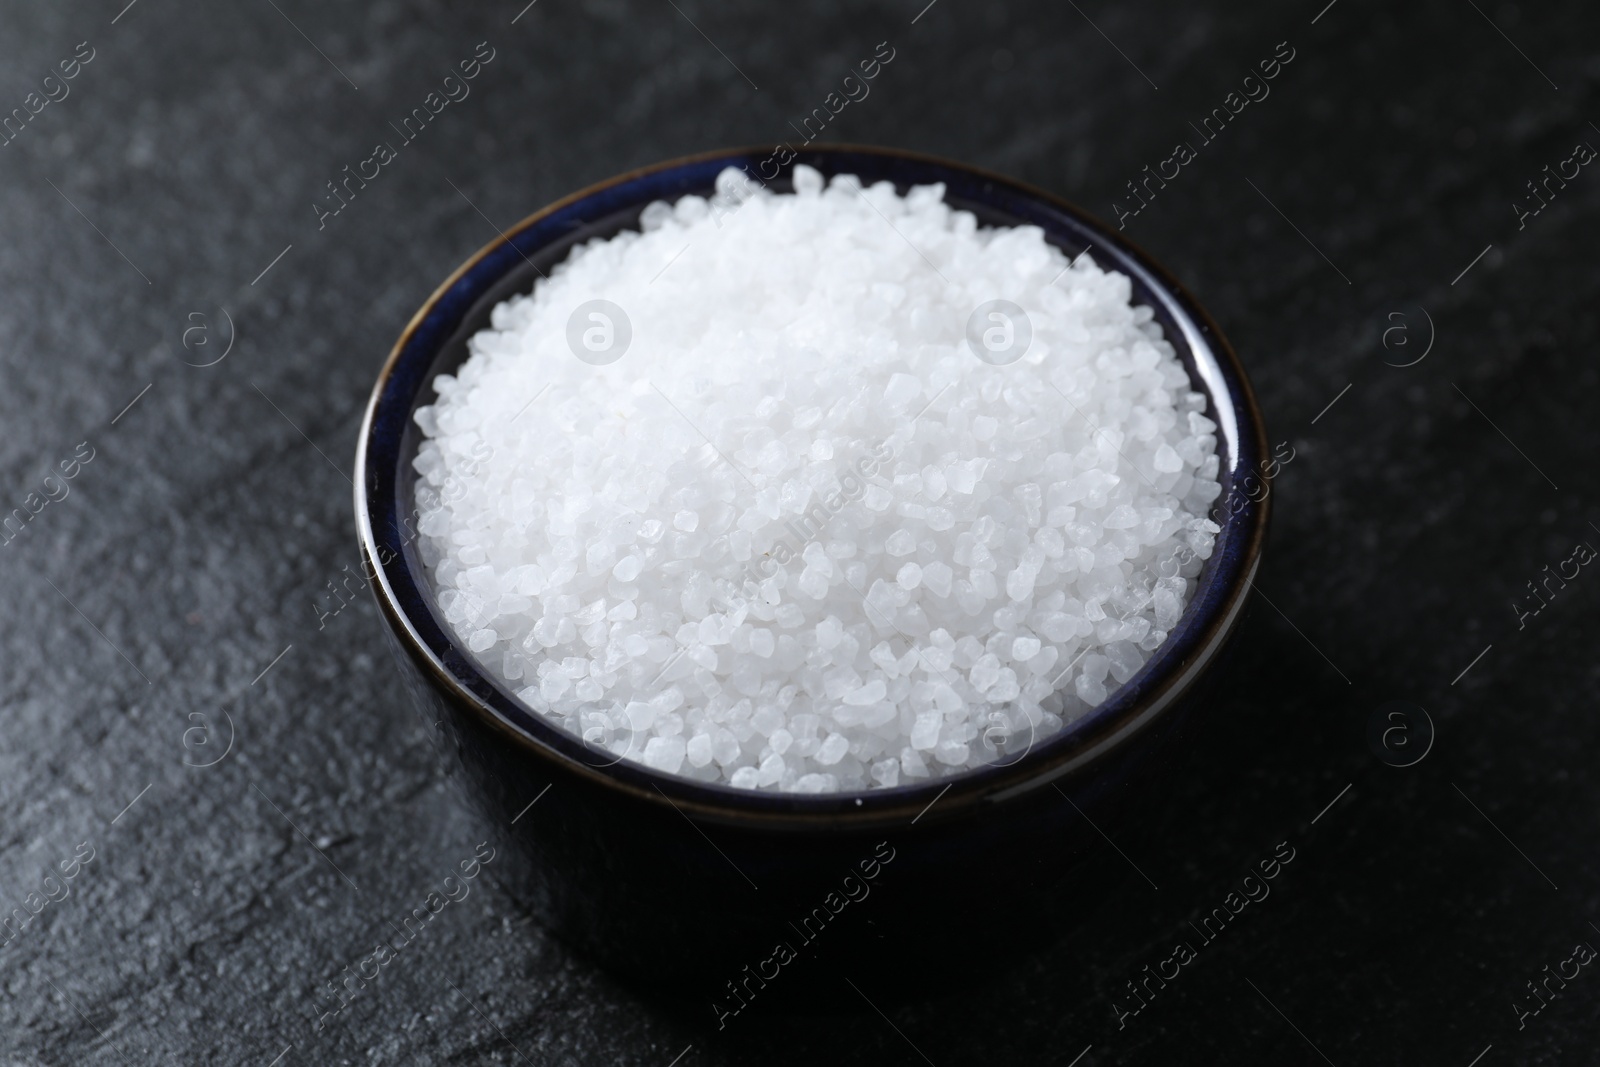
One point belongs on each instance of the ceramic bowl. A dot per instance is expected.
(712, 891)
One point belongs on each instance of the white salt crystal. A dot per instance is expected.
(665, 753)
(900, 543)
(1124, 659)
(797, 536)
(833, 749)
(902, 390)
(1090, 691)
(886, 773)
(1019, 584)
(870, 693)
(771, 770)
(1166, 459)
(724, 747)
(937, 577)
(985, 672)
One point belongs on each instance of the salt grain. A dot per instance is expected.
(797, 537)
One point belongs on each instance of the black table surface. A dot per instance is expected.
(230, 772)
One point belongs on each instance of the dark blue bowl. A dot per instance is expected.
(680, 881)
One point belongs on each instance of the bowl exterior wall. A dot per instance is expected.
(687, 906)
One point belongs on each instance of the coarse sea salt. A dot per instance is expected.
(766, 518)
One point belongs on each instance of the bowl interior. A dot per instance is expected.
(436, 343)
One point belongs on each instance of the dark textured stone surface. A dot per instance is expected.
(193, 548)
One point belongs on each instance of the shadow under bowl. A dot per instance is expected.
(690, 887)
